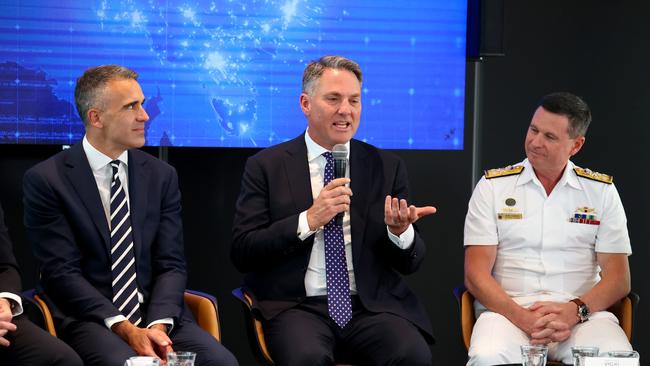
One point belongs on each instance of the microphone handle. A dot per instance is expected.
(339, 172)
(339, 219)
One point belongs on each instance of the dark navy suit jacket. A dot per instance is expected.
(276, 188)
(9, 275)
(68, 230)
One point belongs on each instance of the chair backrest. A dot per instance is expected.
(45, 320)
(623, 309)
(255, 330)
(203, 306)
(205, 310)
(467, 317)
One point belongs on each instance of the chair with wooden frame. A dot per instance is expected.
(624, 310)
(203, 306)
(255, 329)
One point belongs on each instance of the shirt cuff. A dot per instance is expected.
(15, 301)
(114, 320)
(169, 322)
(404, 241)
(303, 227)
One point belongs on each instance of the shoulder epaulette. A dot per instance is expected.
(589, 174)
(504, 172)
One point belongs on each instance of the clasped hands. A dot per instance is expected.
(548, 322)
(335, 197)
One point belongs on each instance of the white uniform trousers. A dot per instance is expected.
(495, 340)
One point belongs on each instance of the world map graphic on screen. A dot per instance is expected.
(228, 73)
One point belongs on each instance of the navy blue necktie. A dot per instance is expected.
(125, 287)
(339, 303)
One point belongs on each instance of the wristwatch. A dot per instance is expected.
(583, 310)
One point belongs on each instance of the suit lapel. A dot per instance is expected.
(297, 173)
(138, 182)
(361, 178)
(80, 176)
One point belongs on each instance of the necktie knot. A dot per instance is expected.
(329, 167)
(329, 157)
(115, 165)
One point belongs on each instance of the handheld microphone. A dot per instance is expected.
(340, 154)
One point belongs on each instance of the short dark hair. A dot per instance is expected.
(92, 82)
(570, 106)
(315, 70)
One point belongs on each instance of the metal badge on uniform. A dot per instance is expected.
(510, 212)
(585, 215)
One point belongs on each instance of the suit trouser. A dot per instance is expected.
(306, 335)
(33, 346)
(495, 340)
(97, 345)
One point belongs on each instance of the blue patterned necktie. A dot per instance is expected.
(339, 303)
(125, 287)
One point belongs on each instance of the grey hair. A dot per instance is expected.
(315, 70)
(92, 83)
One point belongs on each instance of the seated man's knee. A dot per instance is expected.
(219, 357)
(300, 357)
(411, 353)
(479, 356)
(66, 357)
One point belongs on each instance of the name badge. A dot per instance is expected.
(610, 361)
(510, 216)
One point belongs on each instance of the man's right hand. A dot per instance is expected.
(334, 198)
(6, 325)
(527, 320)
(145, 342)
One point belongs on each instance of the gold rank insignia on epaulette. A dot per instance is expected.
(504, 172)
(589, 174)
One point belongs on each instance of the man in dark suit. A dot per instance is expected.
(104, 220)
(326, 289)
(21, 341)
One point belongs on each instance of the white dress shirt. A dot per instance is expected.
(15, 302)
(315, 279)
(542, 255)
(100, 164)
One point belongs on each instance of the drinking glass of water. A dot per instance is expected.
(533, 355)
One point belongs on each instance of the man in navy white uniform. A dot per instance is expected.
(546, 246)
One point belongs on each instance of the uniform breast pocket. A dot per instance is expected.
(515, 230)
(580, 234)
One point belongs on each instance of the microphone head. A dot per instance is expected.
(340, 152)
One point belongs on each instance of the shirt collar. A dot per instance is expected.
(570, 177)
(97, 159)
(567, 176)
(527, 175)
(314, 150)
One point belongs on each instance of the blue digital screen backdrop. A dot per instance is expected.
(228, 73)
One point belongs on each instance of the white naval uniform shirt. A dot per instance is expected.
(542, 255)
